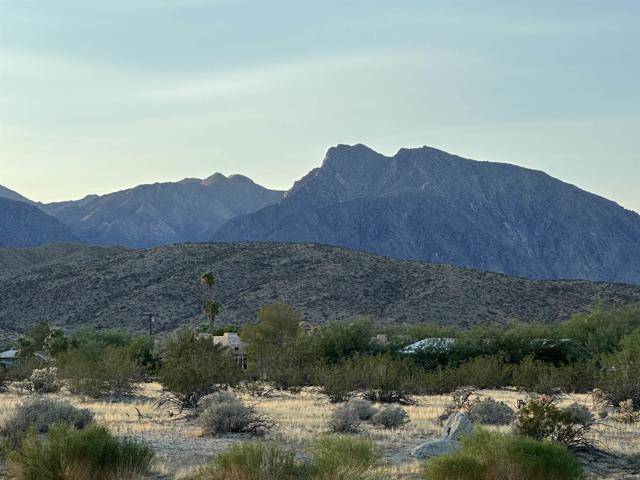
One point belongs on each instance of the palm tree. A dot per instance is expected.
(211, 308)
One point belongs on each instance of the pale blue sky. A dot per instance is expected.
(101, 95)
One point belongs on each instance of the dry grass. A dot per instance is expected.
(181, 448)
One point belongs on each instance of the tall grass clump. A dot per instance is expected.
(493, 455)
(343, 458)
(253, 461)
(89, 454)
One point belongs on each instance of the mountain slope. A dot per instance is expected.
(14, 260)
(324, 283)
(23, 225)
(428, 205)
(162, 213)
(11, 195)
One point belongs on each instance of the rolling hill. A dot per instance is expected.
(323, 282)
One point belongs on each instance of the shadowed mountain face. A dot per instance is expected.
(426, 204)
(94, 287)
(23, 225)
(162, 213)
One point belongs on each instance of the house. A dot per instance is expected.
(433, 345)
(13, 356)
(236, 346)
(9, 357)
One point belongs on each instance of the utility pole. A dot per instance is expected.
(152, 317)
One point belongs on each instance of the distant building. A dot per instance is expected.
(433, 345)
(235, 345)
(307, 327)
(9, 357)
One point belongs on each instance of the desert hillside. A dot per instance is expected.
(115, 289)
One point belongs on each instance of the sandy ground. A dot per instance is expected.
(180, 446)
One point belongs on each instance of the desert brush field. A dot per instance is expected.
(181, 447)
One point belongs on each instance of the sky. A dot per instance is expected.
(97, 96)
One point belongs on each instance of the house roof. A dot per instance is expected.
(429, 344)
(8, 354)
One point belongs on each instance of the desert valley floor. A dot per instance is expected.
(181, 448)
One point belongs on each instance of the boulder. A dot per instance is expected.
(457, 426)
(435, 448)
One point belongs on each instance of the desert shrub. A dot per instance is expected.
(338, 341)
(343, 458)
(620, 381)
(72, 454)
(344, 419)
(193, 367)
(494, 455)
(45, 380)
(601, 330)
(363, 408)
(390, 417)
(462, 399)
(542, 377)
(335, 382)
(40, 415)
(277, 349)
(483, 372)
(253, 461)
(490, 412)
(233, 417)
(216, 398)
(627, 413)
(112, 373)
(541, 419)
(379, 378)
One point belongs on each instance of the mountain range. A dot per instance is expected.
(426, 204)
(25, 225)
(420, 204)
(105, 287)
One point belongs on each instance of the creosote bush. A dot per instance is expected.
(193, 367)
(390, 417)
(490, 412)
(363, 408)
(233, 417)
(493, 455)
(541, 419)
(40, 415)
(344, 419)
(110, 373)
(69, 454)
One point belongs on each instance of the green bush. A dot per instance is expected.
(111, 373)
(390, 417)
(40, 415)
(193, 366)
(69, 454)
(490, 412)
(253, 461)
(343, 458)
(620, 381)
(492, 455)
(379, 378)
(233, 417)
(541, 419)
